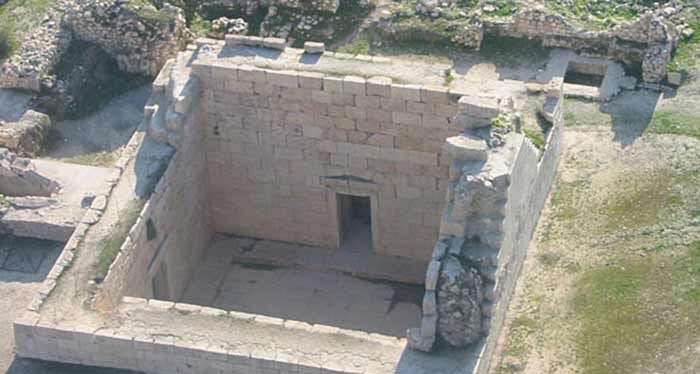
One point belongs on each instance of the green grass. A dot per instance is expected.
(630, 313)
(103, 159)
(359, 46)
(599, 14)
(199, 25)
(108, 248)
(504, 8)
(17, 19)
(676, 123)
(687, 54)
(536, 138)
(148, 11)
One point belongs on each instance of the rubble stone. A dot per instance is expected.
(459, 298)
(26, 136)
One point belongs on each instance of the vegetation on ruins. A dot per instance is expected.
(687, 55)
(17, 19)
(108, 248)
(601, 13)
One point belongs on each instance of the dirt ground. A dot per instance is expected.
(611, 283)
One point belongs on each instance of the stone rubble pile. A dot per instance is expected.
(138, 36)
(648, 40)
(26, 136)
(459, 299)
(222, 26)
(37, 55)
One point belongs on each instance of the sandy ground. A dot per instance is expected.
(608, 156)
(104, 131)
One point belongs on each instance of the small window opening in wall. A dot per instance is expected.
(150, 230)
(355, 223)
(585, 74)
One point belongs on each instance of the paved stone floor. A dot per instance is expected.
(330, 298)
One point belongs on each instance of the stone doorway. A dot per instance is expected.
(355, 222)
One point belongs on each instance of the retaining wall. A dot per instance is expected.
(172, 231)
(532, 178)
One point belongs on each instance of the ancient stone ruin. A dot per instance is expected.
(363, 169)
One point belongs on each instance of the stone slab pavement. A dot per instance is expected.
(316, 297)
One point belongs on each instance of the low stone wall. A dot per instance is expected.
(172, 231)
(26, 136)
(164, 353)
(533, 175)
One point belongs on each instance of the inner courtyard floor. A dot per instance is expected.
(223, 280)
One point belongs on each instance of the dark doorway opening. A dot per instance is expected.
(355, 223)
(585, 74)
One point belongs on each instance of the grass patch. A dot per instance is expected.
(199, 25)
(536, 138)
(359, 46)
(675, 122)
(687, 56)
(148, 11)
(108, 248)
(601, 14)
(103, 159)
(502, 8)
(7, 42)
(643, 203)
(18, 18)
(630, 313)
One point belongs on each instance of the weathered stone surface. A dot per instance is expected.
(26, 136)
(148, 37)
(674, 78)
(37, 55)
(223, 26)
(465, 147)
(18, 177)
(459, 297)
(314, 47)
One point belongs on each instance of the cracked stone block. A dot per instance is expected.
(465, 147)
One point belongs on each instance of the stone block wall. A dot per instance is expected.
(281, 144)
(493, 205)
(172, 230)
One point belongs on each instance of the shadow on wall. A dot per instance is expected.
(151, 162)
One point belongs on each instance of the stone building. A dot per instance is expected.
(316, 206)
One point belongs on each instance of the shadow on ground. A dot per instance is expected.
(631, 114)
(24, 366)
